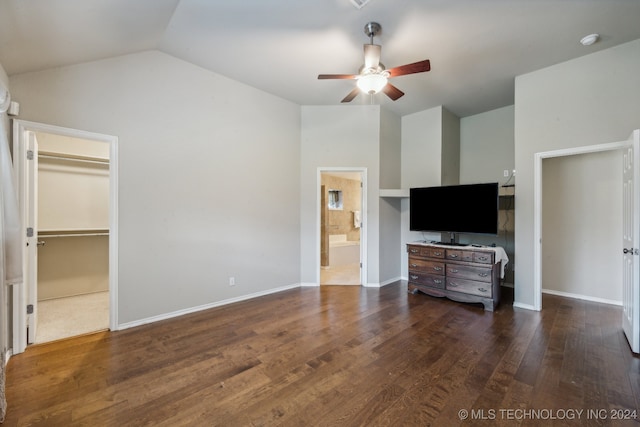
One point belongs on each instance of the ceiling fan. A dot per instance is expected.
(372, 76)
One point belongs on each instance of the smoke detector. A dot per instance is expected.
(359, 4)
(590, 39)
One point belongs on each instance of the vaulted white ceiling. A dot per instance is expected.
(476, 47)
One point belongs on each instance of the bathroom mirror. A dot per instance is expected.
(335, 199)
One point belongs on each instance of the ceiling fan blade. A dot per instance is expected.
(392, 92)
(372, 56)
(416, 67)
(351, 95)
(336, 76)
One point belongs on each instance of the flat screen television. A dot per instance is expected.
(470, 208)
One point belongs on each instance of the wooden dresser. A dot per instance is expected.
(465, 274)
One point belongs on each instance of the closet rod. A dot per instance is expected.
(73, 159)
(43, 236)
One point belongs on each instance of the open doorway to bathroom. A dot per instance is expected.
(341, 228)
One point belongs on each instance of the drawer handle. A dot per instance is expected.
(437, 268)
(453, 270)
(483, 258)
(482, 290)
(414, 251)
(437, 253)
(453, 285)
(453, 256)
(483, 274)
(414, 277)
(414, 265)
(437, 282)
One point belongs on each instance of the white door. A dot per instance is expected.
(31, 246)
(631, 244)
(25, 294)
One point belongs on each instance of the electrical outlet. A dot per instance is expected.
(232, 281)
(505, 173)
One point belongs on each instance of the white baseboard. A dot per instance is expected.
(309, 285)
(204, 307)
(524, 306)
(371, 285)
(581, 297)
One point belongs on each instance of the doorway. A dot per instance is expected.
(538, 205)
(67, 182)
(341, 224)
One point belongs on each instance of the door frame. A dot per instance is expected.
(363, 211)
(20, 132)
(537, 205)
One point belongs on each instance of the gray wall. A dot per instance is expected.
(5, 293)
(487, 146)
(486, 150)
(582, 226)
(208, 176)
(338, 136)
(422, 137)
(390, 209)
(590, 100)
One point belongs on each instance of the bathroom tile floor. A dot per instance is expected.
(340, 275)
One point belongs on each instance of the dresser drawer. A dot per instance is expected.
(414, 250)
(470, 272)
(459, 255)
(483, 257)
(426, 251)
(433, 252)
(431, 280)
(472, 287)
(425, 266)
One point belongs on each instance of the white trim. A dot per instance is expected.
(205, 307)
(390, 281)
(309, 285)
(537, 206)
(20, 127)
(581, 297)
(363, 210)
(524, 306)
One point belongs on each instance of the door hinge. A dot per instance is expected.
(30, 155)
(29, 231)
(30, 309)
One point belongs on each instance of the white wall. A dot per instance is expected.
(590, 100)
(208, 176)
(582, 226)
(338, 136)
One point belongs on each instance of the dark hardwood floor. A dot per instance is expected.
(339, 355)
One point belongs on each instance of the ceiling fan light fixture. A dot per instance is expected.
(372, 83)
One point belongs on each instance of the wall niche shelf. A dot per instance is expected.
(395, 193)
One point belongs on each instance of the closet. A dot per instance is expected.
(73, 236)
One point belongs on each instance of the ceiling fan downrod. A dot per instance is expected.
(372, 29)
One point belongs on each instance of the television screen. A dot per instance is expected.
(471, 208)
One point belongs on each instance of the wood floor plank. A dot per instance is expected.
(335, 355)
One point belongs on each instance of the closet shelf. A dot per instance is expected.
(76, 232)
